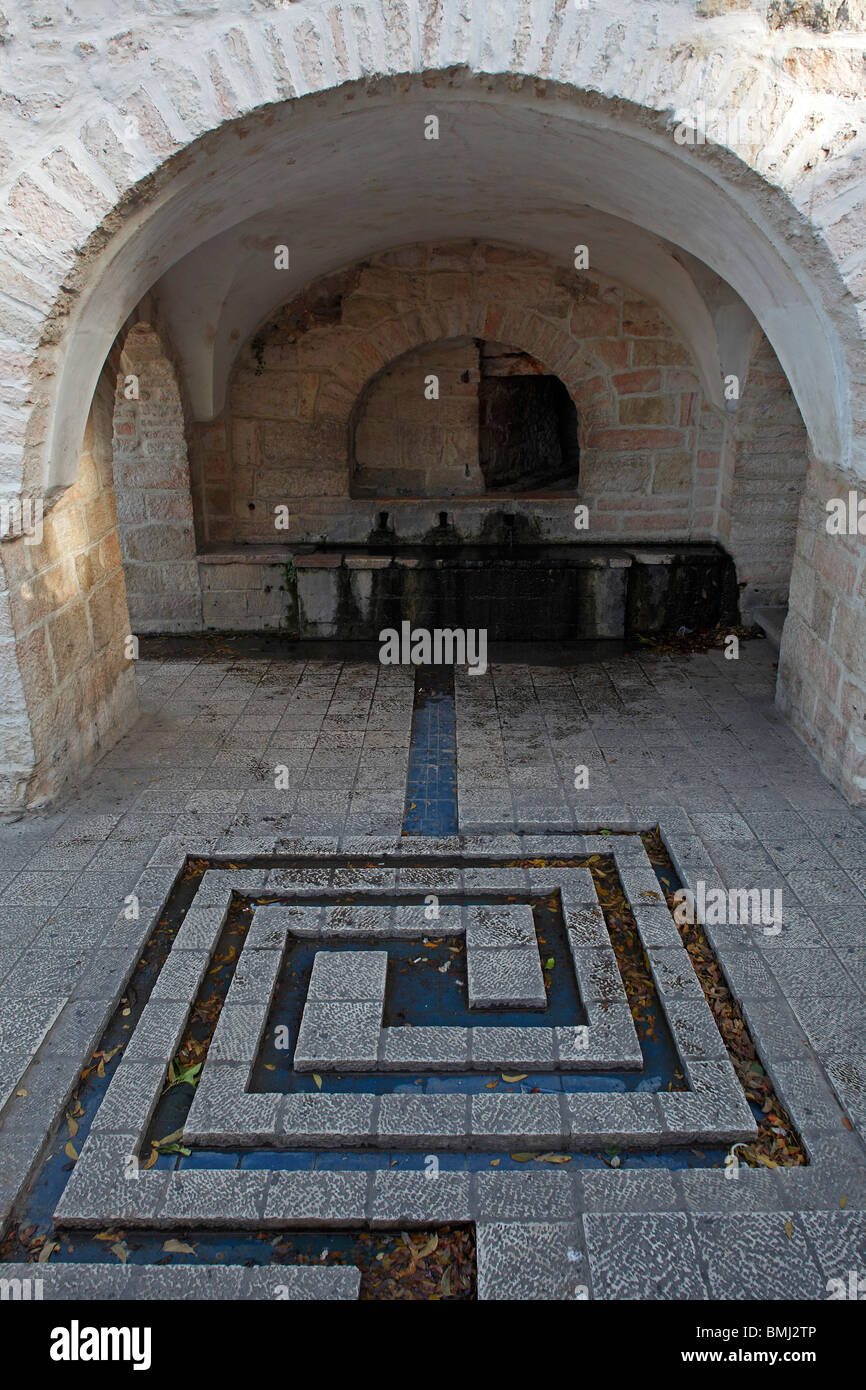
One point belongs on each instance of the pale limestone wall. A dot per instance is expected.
(67, 604)
(248, 592)
(405, 443)
(649, 442)
(769, 472)
(822, 665)
(152, 489)
(98, 101)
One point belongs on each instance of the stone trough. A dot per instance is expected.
(520, 593)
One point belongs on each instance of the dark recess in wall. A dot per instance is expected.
(527, 432)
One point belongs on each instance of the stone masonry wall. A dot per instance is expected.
(822, 664)
(67, 603)
(154, 502)
(403, 443)
(769, 471)
(649, 443)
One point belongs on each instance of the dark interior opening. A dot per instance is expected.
(527, 435)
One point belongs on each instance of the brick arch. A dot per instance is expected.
(463, 343)
(585, 376)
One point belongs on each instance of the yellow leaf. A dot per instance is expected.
(518, 1077)
(169, 1138)
(119, 1251)
(789, 1229)
(22, 1091)
(47, 1251)
(178, 1247)
(269, 1066)
(495, 1162)
(72, 1126)
(153, 1156)
(318, 1080)
(491, 1085)
(522, 1158)
(554, 1158)
(843, 1203)
(69, 1150)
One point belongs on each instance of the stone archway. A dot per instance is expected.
(122, 190)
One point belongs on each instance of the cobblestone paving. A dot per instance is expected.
(693, 744)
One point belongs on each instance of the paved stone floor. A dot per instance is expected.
(693, 744)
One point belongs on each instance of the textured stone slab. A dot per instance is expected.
(531, 1261)
(613, 1037)
(414, 1199)
(316, 1199)
(656, 927)
(598, 974)
(517, 1121)
(689, 1118)
(292, 1283)
(158, 1031)
(649, 1256)
(131, 1097)
(321, 1119)
(25, 1022)
(510, 978)
(181, 975)
(214, 1197)
(673, 972)
(585, 925)
(414, 1120)
(694, 1029)
(504, 1048)
(599, 1120)
(627, 1190)
(255, 977)
(358, 919)
(436, 1048)
(503, 925)
(201, 926)
(339, 1036)
(758, 1255)
(414, 919)
(521, 1196)
(238, 1033)
(107, 1185)
(348, 976)
(273, 923)
(238, 1120)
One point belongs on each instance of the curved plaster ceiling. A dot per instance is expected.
(214, 299)
(350, 174)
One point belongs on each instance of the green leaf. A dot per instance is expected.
(189, 1075)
